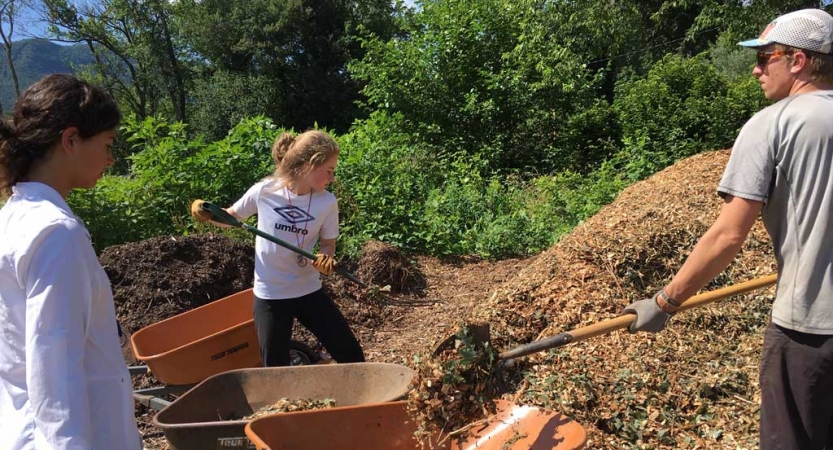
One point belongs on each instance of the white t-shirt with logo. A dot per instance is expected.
(299, 220)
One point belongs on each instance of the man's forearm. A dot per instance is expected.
(712, 254)
(716, 249)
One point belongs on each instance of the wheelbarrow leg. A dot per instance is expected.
(153, 398)
(137, 370)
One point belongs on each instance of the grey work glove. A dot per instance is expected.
(649, 316)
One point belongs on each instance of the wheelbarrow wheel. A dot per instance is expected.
(301, 354)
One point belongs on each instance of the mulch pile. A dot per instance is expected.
(161, 277)
(694, 384)
(454, 387)
(382, 264)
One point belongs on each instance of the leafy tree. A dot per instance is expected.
(302, 46)
(133, 44)
(731, 60)
(223, 100)
(732, 20)
(10, 11)
(488, 78)
(683, 106)
(627, 37)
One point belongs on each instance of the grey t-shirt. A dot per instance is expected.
(783, 157)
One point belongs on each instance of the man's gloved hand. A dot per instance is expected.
(649, 316)
(324, 263)
(199, 214)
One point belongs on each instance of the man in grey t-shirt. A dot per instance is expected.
(780, 167)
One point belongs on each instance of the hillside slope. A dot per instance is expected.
(34, 58)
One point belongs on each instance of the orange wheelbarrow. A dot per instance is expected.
(188, 348)
(388, 426)
(212, 414)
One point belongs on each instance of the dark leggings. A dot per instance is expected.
(316, 312)
(796, 390)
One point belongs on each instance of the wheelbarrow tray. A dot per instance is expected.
(388, 426)
(196, 419)
(190, 347)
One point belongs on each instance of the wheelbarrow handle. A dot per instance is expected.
(618, 323)
(222, 216)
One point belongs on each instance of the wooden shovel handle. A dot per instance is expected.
(618, 323)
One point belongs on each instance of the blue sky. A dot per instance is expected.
(28, 26)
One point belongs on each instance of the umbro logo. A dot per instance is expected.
(294, 214)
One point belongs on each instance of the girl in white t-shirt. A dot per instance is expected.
(293, 205)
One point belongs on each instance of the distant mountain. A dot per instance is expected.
(34, 58)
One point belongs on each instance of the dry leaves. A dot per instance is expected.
(454, 388)
(292, 405)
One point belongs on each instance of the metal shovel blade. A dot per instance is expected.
(480, 332)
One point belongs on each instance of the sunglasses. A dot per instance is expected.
(764, 58)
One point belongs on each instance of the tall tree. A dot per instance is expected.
(10, 11)
(489, 78)
(302, 45)
(134, 47)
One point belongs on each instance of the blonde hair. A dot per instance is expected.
(296, 156)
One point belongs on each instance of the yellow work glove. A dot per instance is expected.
(199, 214)
(324, 263)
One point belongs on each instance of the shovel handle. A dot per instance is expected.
(618, 323)
(220, 215)
(302, 252)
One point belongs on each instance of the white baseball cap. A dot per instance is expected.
(807, 29)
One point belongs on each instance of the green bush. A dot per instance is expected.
(389, 189)
(682, 107)
(167, 174)
(403, 193)
(381, 183)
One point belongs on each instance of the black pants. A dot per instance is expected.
(315, 311)
(796, 390)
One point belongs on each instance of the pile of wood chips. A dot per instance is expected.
(292, 405)
(694, 385)
(382, 264)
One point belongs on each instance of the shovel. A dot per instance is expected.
(220, 215)
(480, 331)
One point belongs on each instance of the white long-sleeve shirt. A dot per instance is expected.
(63, 380)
